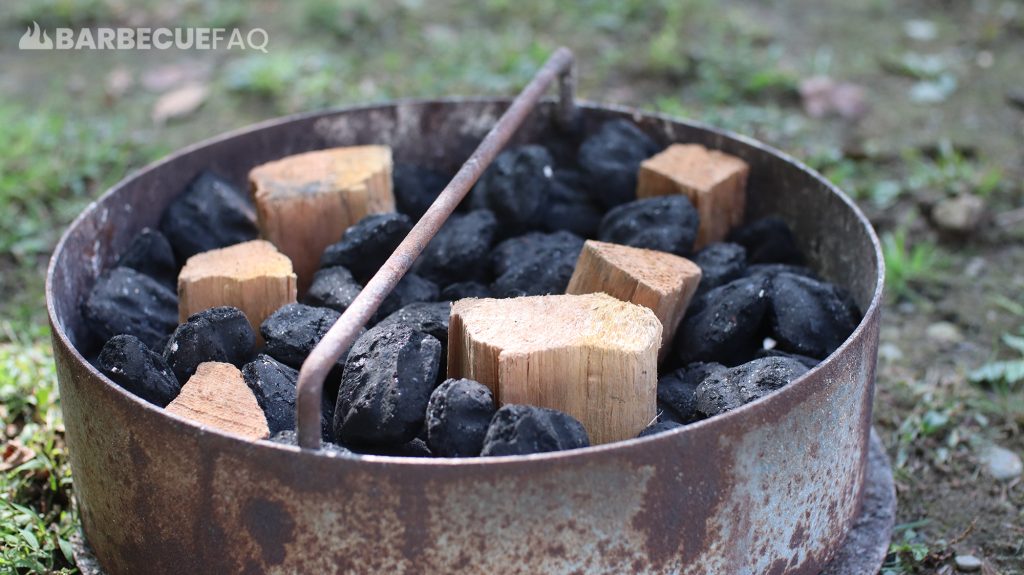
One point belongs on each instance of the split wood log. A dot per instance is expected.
(252, 276)
(591, 356)
(217, 396)
(306, 201)
(714, 181)
(660, 281)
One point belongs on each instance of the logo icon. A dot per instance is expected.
(35, 38)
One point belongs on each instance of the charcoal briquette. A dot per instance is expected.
(726, 326)
(463, 290)
(659, 427)
(534, 264)
(386, 386)
(516, 187)
(571, 207)
(720, 263)
(217, 334)
(364, 247)
(677, 391)
(770, 270)
(809, 362)
(273, 383)
(808, 317)
(664, 223)
(523, 429)
(459, 250)
(333, 288)
(150, 253)
(768, 240)
(415, 188)
(458, 414)
(730, 388)
(210, 214)
(129, 363)
(412, 288)
(611, 159)
(413, 448)
(125, 301)
(293, 331)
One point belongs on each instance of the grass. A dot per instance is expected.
(908, 267)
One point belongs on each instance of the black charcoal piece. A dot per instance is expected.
(773, 269)
(665, 223)
(807, 316)
(129, 363)
(414, 448)
(273, 384)
(720, 263)
(216, 334)
(516, 187)
(293, 331)
(430, 318)
(365, 246)
(534, 264)
(677, 391)
(386, 385)
(523, 429)
(809, 362)
(659, 427)
(730, 388)
(768, 240)
(125, 301)
(290, 437)
(727, 326)
(611, 159)
(151, 254)
(415, 188)
(463, 290)
(458, 414)
(667, 414)
(459, 250)
(412, 288)
(210, 214)
(333, 288)
(571, 207)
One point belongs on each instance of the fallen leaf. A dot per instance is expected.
(179, 103)
(14, 454)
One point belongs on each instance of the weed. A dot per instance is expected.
(907, 267)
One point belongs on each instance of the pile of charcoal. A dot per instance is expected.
(758, 320)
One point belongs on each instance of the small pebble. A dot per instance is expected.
(129, 363)
(125, 301)
(415, 188)
(364, 247)
(659, 427)
(967, 563)
(768, 240)
(728, 389)
(944, 333)
(611, 159)
(665, 223)
(959, 215)
(1001, 463)
(217, 334)
(458, 415)
(535, 264)
(150, 253)
(210, 214)
(516, 187)
(459, 250)
(523, 429)
(333, 288)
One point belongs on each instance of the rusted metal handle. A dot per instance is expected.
(344, 331)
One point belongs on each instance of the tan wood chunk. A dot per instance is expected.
(592, 356)
(306, 201)
(217, 396)
(660, 281)
(252, 276)
(714, 181)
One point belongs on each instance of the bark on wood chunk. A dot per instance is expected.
(714, 181)
(591, 356)
(660, 281)
(252, 276)
(306, 201)
(217, 396)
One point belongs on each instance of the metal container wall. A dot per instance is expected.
(768, 488)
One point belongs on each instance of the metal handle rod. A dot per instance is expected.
(344, 331)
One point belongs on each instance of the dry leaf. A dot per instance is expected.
(14, 454)
(179, 103)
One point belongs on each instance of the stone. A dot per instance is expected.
(534, 264)
(525, 429)
(458, 415)
(220, 334)
(728, 389)
(209, 214)
(128, 302)
(365, 246)
(944, 333)
(611, 159)
(967, 563)
(666, 223)
(1001, 463)
(129, 363)
(959, 215)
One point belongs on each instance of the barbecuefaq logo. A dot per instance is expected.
(193, 38)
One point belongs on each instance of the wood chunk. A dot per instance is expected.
(714, 181)
(217, 396)
(591, 356)
(306, 201)
(252, 276)
(660, 281)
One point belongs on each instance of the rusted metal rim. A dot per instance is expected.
(792, 390)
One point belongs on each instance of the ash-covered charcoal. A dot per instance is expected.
(459, 250)
(290, 437)
(216, 334)
(516, 187)
(523, 429)
(151, 254)
(677, 391)
(809, 362)
(386, 385)
(333, 288)
(125, 301)
(210, 214)
(415, 188)
(730, 388)
(458, 414)
(463, 290)
(129, 363)
(773, 269)
(659, 427)
(534, 264)
(665, 223)
(571, 207)
(807, 316)
(611, 160)
(412, 288)
(430, 318)
(727, 325)
(768, 240)
(293, 331)
(273, 383)
(720, 263)
(364, 247)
